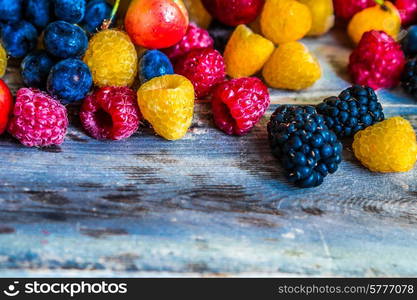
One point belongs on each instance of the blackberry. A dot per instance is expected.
(307, 149)
(409, 78)
(353, 110)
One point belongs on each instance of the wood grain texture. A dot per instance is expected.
(209, 204)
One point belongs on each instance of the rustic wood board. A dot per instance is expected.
(208, 205)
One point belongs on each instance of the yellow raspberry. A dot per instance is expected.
(197, 13)
(379, 17)
(3, 61)
(112, 58)
(388, 146)
(322, 16)
(292, 67)
(167, 102)
(284, 21)
(246, 52)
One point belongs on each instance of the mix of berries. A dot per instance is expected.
(174, 52)
(307, 149)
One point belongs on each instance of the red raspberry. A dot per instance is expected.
(377, 61)
(346, 9)
(239, 104)
(204, 68)
(38, 119)
(195, 38)
(111, 113)
(407, 10)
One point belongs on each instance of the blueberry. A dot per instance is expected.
(65, 40)
(19, 38)
(69, 80)
(409, 43)
(95, 13)
(71, 11)
(152, 64)
(11, 10)
(35, 69)
(38, 12)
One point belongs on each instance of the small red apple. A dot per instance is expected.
(407, 10)
(6, 104)
(234, 12)
(156, 24)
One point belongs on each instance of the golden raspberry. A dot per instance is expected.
(284, 21)
(388, 146)
(3, 61)
(167, 102)
(292, 67)
(197, 13)
(112, 58)
(322, 16)
(246, 52)
(379, 17)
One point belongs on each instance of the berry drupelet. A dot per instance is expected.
(354, 109)
(308, 150)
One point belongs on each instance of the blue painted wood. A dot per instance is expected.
(209, 204)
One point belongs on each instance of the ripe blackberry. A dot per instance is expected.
(409, 78)
(354, 109)
(308, 150)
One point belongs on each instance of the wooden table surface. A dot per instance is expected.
(207, 205)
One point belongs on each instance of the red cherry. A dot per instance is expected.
(234, 12)
(6, 104)
(156, 24)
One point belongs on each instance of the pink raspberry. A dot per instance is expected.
(111, 113)
(407, 10)
(204, 68)
(377, 61)
(38, 119)
(346, 9)
(195, 38)
(239, 104)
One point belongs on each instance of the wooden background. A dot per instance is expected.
(207, 205)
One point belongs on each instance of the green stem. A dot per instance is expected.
(114, 11)
(106, 23)
(380, 2)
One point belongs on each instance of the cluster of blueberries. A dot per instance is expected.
(58, 67)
